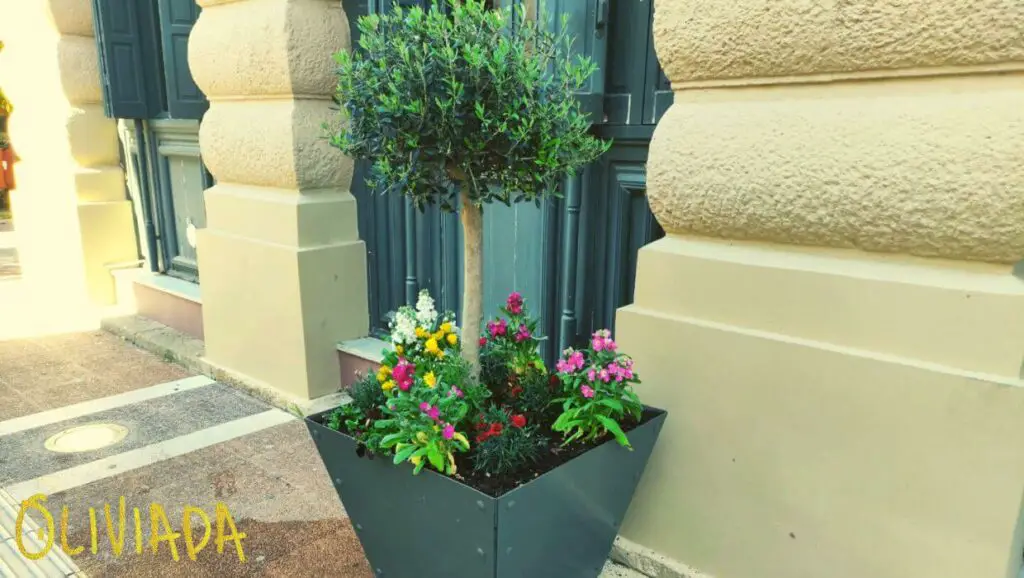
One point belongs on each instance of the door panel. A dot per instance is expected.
(184, 99)
(179, 181)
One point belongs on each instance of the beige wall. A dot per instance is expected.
(832, 321)
(70, 207)
(283, 269)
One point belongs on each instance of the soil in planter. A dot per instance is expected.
(555, 456)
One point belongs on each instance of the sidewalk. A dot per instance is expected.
(189, 441)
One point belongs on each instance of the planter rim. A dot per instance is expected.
(316, 419)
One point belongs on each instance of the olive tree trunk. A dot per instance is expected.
(472, 278)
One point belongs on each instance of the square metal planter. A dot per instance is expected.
(559, 525)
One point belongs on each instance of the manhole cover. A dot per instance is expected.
(86, 438)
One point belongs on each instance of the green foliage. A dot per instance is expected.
(366, 394)
(472, 97)
(597, 387)
(535, 392)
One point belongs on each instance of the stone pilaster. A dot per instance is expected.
(72, 214)
(832, 321)
(283, 269)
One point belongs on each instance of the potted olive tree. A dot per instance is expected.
(464, 456)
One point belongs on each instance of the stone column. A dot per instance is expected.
(283, 269)
(833, 321)
(71, 210)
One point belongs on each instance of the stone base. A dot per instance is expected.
(278, 298)
(831, 414)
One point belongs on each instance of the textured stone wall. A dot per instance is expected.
(784, 130)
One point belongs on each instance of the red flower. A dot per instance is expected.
(515, 391)
(495, 429)
(483, 341)
(518, 420)
(553, 381)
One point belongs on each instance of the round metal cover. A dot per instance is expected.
(86, 438)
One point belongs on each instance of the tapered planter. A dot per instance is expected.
(560, 525)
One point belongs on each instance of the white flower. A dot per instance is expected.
(425, 312)
(403, 328)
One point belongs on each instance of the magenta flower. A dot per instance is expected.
(456, 392)
(587, 391)
(449, 431)
(424, 407)
(597, 343)
(523, 334)
(403, 374)
(514, 304)
(497, 328)
(604, 375)
(434, 412)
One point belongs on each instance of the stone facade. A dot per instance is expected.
(832, 321)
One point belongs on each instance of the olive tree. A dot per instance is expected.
(461, 107)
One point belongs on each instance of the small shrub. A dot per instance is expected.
(366, 394)
(506, 443)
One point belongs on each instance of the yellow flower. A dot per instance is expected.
(416, 460)
(383, 373)
(431, 345)
(452, 339)
(440, 353)
(446, 327)
(430, 379)
(438, 335)
(399, 349)
(387, 385)
(421, 332)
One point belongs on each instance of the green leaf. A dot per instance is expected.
(612, 403)
(435, 457)
(404, 454)
(613, 426)
(391, 439)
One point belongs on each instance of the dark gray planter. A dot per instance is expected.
(560, 525)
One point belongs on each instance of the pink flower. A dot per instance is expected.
(604, 375)
(449, 431)
(523, 334)
(602, 341)
(514, 304)
(576, 360)
(456, 392)
(563, 366)
(434, 412)
(424, 407)
(587, 391)
(591, 375)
